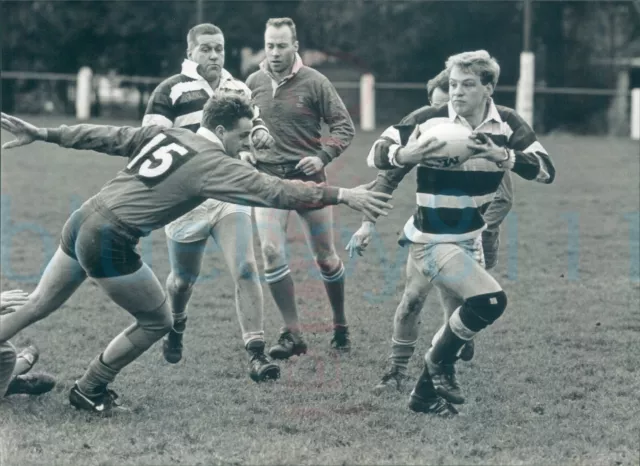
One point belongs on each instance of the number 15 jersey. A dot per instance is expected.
(171, 171)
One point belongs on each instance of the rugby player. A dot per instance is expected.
(170, 171)
(444, 235)
(177, 102)
(294, 100)
(403, 342)
(14, 368)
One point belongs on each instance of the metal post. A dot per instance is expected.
(199, 11)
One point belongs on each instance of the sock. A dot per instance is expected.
(401, 352)
(24, 362)
(96, 378)
(7, 364)
(283, 292)
(334, 285)
(251, 339)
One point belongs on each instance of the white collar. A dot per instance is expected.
(297, 65)
(210, 135)
(493, 113)
(190, 70)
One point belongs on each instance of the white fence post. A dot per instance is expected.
(367, 102)
(526, 83)
(635, 114)
(83, 93)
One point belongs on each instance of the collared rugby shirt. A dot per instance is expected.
(451, 201)
(178, 101)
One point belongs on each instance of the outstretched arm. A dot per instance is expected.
(235, 182)
(111, 140)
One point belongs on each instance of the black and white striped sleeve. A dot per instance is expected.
(384, 151)
(528, 158)
(160, 110)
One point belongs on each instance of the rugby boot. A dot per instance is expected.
(172, 343)
(394, 380)
(260, 367)
(425, 399)
(341, 340)
(31, 384)
(444, 380)
(288, 345)
(104, 404)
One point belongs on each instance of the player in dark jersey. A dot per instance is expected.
(170, 171)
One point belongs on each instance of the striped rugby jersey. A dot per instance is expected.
(451, 201)
(178, 101)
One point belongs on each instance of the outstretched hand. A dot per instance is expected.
(25, 133)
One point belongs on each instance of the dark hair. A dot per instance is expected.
(280, 22)
(200, 29)
(440, 81)
(226, 109)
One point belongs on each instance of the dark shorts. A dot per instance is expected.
(103, 247)
(289, 172)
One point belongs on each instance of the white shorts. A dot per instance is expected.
(196, 225)
(430, 258)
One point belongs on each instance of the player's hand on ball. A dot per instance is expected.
(261, 139)
(419, 151)
(24, 132)
(361, 238)
(487, 149)
(370, 203)
(11, 299)
(247, 156)
(310, 165)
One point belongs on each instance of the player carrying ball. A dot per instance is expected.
(444, 234)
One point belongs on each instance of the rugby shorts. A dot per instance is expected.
(196, 224)
(430, 258)
(104, 246)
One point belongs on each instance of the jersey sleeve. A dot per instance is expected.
(527, 157)
(160, 110)
(111, 140)
(382, 154)
(236, 182)
(336, 116)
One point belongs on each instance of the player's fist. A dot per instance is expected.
(361, 238)
(261, 139)
(247, 156)
(310, 165)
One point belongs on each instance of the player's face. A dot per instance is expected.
(280, 48)
(467, 93)
(439, 97)
(236, 139)
(209, 54)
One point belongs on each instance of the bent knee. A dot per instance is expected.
(328, 262)
(181, 283)
(273, 255)
(247, 271)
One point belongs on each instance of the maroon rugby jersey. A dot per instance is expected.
(172, 170)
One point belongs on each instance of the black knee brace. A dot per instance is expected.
(482, 310)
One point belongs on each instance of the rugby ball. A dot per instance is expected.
(456, 136)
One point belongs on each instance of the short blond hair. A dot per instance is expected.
(281, 22)
(478, 62)
(200, 30)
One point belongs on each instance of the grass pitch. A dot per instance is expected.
(554, 381)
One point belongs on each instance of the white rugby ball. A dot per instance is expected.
(456, 137)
